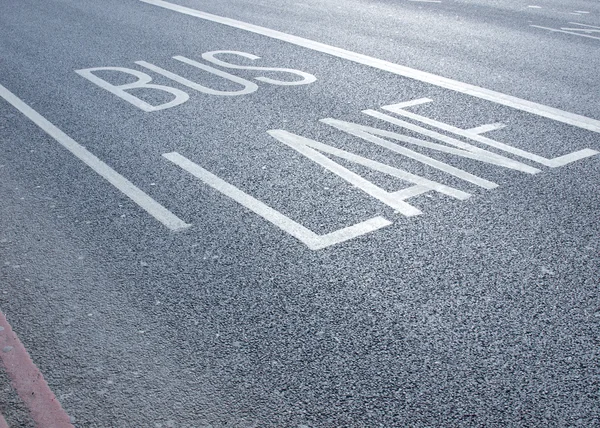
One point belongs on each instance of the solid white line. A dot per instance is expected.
(584, 25)
(583, 30)
(303, 234)
(153, 208)
(559, 31)
(443, 82)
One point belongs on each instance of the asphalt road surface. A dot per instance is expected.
(258, 213)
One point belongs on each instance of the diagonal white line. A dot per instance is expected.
(400, 70)
(584, 25)
(152, 207)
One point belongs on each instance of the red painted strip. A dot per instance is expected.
(3, 423)
(29, 382)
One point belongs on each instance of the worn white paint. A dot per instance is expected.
(555, 30)
(585, 25)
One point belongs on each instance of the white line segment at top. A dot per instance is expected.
(400, 70)
(156, 210)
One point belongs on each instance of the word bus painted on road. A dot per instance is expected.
(453, 141)
(143, 79)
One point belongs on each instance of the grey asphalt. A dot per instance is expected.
(482, 312)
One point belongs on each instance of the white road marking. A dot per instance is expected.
(311, 148)
(553, 163)
(554, 30)
(307, 78)
(247, 86)
(465, 88)
(410, 192)
(464, 149)
(426, 1)
(143, 82)
(152, 207)
(581, 11)
(303, 234)
(412, 103)
(534, 7)
(373, 135)
(486, 128)
(584, 25)
(582, 30)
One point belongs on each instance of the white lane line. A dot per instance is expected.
(566, 32)
(426, 1)
(152, 207)
(486, 128)
(303, 234)
(534, 7)
(582, 30)
(400, 70)
(581, 11)
(584, 25)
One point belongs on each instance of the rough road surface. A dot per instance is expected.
(300, 214)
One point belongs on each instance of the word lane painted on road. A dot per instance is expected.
(413, 134)
(322, 153)
(435, 136)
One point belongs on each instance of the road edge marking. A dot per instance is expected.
(143, 200)
(400, 70)
(3, 423)
(29, 382)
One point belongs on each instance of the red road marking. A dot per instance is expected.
(3, 423)
(29, 383)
